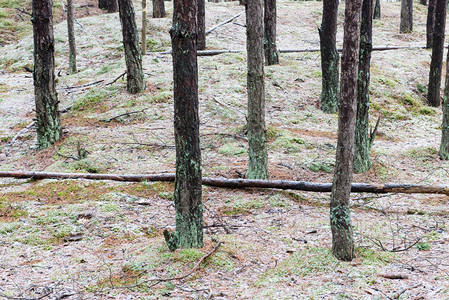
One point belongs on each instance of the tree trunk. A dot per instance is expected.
(258, 166)
(201, 21)
(363, 141)
(377, 10)
(430, 23)
(144, 27)
(406, 25)
(329, 57)
(71, 34)
(444, 146)
(135, 83)
(188, 203)
(158, 9)
(436, 64)
(112, 6)
(271, 53)
(103, 4)
(340, 217)
(423, 2)
(46, 98)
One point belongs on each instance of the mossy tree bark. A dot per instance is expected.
(329, 57)
(436, 64)
(46, 99)
(271, 53)
(258, 165)
(406, 25)
(377, 9)
(201, 21)
(363, 141)
(159, 9)
(340, 216)
(430, 23)
(188, 204)
(444, 146)
(71, 34)
(135, 83)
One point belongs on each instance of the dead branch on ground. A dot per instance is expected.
(83, 85)
(224, 22)
(123, 115)
(117, 78)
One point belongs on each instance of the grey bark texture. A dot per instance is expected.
(71, 34)
(46, 99)
(406, 25)
(258, 165)
(377, 10)
(430, 23)
(201, 22)
(271, 53)
(133, 57)
(187, 194)
(363, 141)
(159, 9)
(329, 57)
(340, 216)
(436, 63)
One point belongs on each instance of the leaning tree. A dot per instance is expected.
(47, 113)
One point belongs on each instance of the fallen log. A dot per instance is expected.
(242, 183)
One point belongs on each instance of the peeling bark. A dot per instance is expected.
(133, 57)
(271, 53)
(329, 57)
(71, 34)
(258, 165)
(47, 112)
(406, 25)
(340, 217)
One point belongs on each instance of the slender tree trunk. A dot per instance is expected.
(47, 112)
(144, 27)
(340, 216)
(158, 9)
(71, 34)
(112, 6)
(377, 10)
(188, 204)
(201, 21)
(135, 83)
(329, 57)
(430, 23)
(363, 141)
(258, 166)
(444, 146)
(103, 4)
(436, 64)
(406, 25)
(271, 53)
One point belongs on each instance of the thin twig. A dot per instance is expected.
(118, 77)
(224, 22)
(83, 85)
(122, 115)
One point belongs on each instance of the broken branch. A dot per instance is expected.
(224, 22)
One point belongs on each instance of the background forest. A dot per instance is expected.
(79, 239)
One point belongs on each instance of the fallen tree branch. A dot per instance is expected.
(117, 78)
(83, 85)
(224, 22)
(242, 183)
(123, 115)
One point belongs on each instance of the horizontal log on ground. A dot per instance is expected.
(242, 183)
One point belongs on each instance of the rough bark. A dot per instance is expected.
(71, 35)
(406, 25)
(158, 9)
(112, 6)
(201, 21)
(430, 23)
(271, 53)
(144, 27)
(135, 83)
(258, 165)
(377, 10)
(329, 57)
(46, 99)
(363, 141)
(436, 63)
(444, 145)
(188, 203)
(340, 217)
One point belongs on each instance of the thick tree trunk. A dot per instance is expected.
(406, 25)
(71, 34)
(135, 83)
(201, 21)
(158, 9)
(271, 53)
(112, 6)
(188, 203)
(46, 98)
(340, 217)
(363, 141)
(436, 64)
(329, 57)
(376, 10)
(430, 23)
(144, 27)
(258, 165)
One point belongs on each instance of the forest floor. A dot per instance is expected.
(79, 239)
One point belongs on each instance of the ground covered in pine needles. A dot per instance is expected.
(79, 239)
